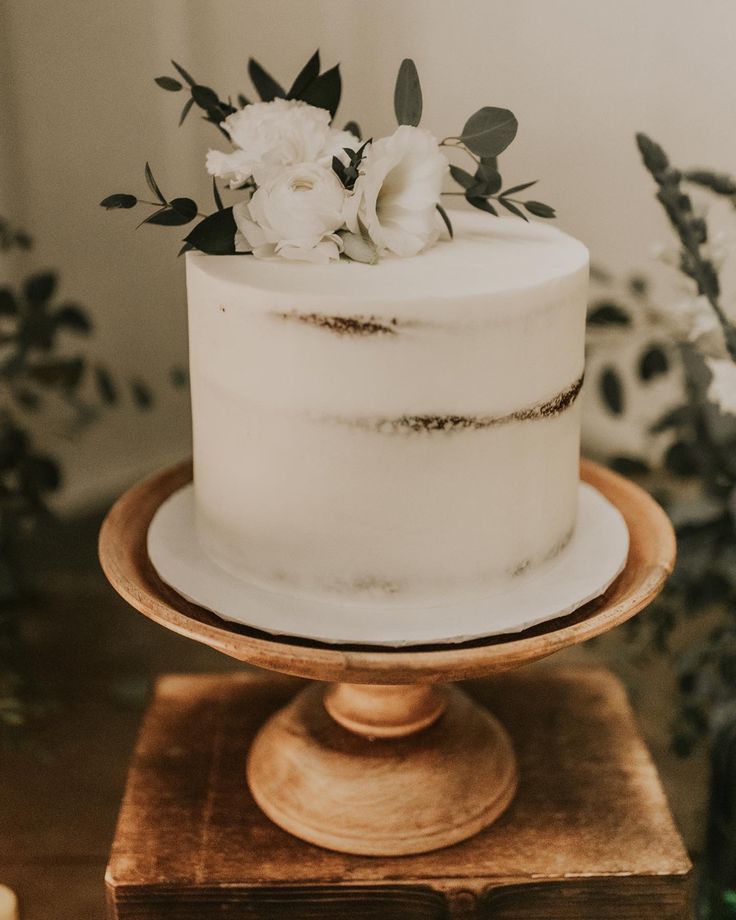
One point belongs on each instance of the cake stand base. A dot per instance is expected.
(376, 787)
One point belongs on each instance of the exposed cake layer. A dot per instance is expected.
(398, 432)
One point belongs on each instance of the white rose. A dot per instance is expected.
(722, 389)
(293, 215)
(277, 133)
(397, 192)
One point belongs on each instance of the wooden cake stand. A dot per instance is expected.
(381, 757)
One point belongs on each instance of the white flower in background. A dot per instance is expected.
(722, 389)
(277, 133)
(397, 192)
(691, 318)
(293, 214)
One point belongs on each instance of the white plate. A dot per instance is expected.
(587, 566)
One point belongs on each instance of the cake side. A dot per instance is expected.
(405, 432)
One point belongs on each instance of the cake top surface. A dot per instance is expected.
(487, 255)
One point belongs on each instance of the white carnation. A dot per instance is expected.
(293, 214)
(397, 192)
(282, 132)
(722, 389)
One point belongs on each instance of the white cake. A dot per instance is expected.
(400, 433)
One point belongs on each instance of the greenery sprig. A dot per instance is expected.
(692, 230)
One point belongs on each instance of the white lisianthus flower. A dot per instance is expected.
(293, 214)
(282, 132)
(397, 192)
(691, 318)
(722, 389)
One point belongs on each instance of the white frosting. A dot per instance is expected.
(319, 392)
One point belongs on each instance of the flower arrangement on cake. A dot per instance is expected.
(308, 191)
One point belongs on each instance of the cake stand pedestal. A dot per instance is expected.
(377, 759)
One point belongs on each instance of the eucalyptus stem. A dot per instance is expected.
(691, 230)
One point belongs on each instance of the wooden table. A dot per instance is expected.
(587, 837)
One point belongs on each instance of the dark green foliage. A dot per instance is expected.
(306, 76)
(408, 94)
(325, 91)
(607, 313)
(611, 390)
(653, 363)
(446, 220)
(215, 234)
(489, 131)
(266, 87)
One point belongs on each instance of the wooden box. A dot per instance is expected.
(588, 837)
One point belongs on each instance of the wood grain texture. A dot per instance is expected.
(125, 560)
(588, 836)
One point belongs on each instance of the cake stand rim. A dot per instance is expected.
(124, 559)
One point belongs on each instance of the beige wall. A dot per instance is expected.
(82, 115)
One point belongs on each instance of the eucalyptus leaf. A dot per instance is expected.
(169, 83)
(105, 386)
(325, 91)
(141, 393)
(186, 110)
(215, 234)
(539, 209)
(446, 220)
(482, 204)
(519, 188)
(307, 75)
(488, 180)
(489, 131)
(510, 206)
(73, 317)
(216, 195)
(183, 73)
(40, 288)
(354, 128)
(461, 176)
(408, 94)
(119, 201)
(153, 185)
(267, 88)
(206, 98)
(607, 313)
(611, 391)
(653, 363)
(243, 100)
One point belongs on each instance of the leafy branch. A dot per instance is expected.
(691, 229)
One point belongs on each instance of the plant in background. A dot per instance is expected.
(44, 376)
(310, 192)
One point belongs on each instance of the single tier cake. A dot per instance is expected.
(400, 433)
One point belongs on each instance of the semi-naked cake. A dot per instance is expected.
(401, 433)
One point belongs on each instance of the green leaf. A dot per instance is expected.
(40, 288)
(539, 209)
(206, 98)
(169, 83)
(510, 206)
(152, 184)
(119, 201)
(186, 110)
(629, 466)
(607, 313)
(264, 83)
(307, 75)
(186, 247)
(180, 211)
(340, 170)
(487, 181)
(105, 385)
(325, 91)
(39, 473)
(216, 195)
(141, 393)
(681, 459)
(179, 377)
(462, 177)
(183, 73)
(518, 188)
(215, 234)
(408, 94)
(446, 219)
(482, 204)
(611, 391)
(60, 372)
(354, 128)
(653, 363)
(8, 303)
(719, 183)
(70, 316)
(489, 131)
(654, 157)
(243, 100)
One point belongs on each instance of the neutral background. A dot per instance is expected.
(80, 115)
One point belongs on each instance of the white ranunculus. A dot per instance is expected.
(294, 214)
(722, 389)
(277, 133)
(398, 190)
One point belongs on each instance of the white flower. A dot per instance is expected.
(277, 133)
(293, 215)
(397, 191)
(722, 389)
(691, 318)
